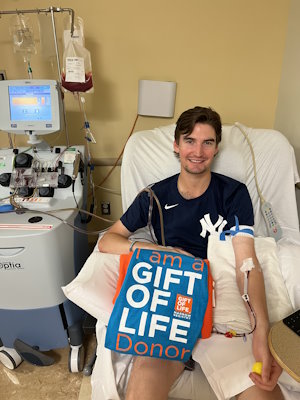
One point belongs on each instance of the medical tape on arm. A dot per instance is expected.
(246, 267)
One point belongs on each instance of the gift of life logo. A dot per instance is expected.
(183, 304)
(183, 307)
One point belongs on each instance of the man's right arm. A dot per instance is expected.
(115, 241)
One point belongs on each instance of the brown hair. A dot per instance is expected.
(189, 118)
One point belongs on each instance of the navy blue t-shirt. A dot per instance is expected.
(188, 223)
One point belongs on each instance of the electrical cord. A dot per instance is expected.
(120, 155)
(272, 225)
(89, 218)
(238, 125)
(73, 192)
(109, 190)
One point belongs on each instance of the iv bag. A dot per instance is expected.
(78, 32)
(23, 37)
(77, 69)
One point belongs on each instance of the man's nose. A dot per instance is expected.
(198, 150)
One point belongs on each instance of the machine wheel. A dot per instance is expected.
(76, 358)
(9, 358)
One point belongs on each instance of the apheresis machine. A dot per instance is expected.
(42, 240)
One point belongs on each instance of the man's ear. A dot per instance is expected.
(175, 147)
(216, 151)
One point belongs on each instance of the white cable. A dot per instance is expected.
(238, 125)
(273, 227)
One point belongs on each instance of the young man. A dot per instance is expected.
(195, 203)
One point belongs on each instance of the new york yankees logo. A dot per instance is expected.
(208, 226)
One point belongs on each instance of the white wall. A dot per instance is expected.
(287, 117)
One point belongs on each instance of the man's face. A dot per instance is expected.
(197, 150)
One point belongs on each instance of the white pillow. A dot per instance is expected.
(289, 256)
(230, 311)
(94, 287)
(231, 162)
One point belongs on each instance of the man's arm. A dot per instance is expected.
(243, 249)
(115, 241)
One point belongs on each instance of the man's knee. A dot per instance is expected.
(254, 393)
(159, 365)
(152, 378)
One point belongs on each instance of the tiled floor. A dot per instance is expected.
(28, 382)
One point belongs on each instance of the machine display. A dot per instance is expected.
(30, 103)
(31, 107)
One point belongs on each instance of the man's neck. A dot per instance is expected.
(191, 186)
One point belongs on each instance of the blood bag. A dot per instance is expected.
(77, 69)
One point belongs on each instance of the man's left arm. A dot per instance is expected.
(244, 249)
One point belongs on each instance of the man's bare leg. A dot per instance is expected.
(152, 378)
(255, 393)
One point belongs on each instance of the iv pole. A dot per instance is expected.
(51, 10)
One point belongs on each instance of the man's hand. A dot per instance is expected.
(270, 369)
(271, 382)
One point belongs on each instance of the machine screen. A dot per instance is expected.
(30, 103)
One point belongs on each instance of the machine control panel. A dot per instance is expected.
(32, 177)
